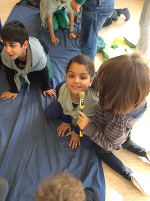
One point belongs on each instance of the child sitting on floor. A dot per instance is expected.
(64, 187)
(79, 78)
(53, 15)
(21, 55)
(123, 83)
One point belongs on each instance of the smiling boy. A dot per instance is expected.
(21, 55)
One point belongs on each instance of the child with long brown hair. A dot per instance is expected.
(123, 83)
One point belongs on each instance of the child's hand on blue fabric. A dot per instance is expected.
(54, 40)
(8, 94)
(62, 129)
(75, 139)
(50, 92)
(72, 35)
(82, 120)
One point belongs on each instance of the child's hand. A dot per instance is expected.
(8, 94)
(72, 35)
(62, 129)
(82, 120)
(78, 34)
(75, 6)
(75, 139)
(50, 92)
(54, 40)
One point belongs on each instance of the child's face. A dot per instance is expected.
(14, 49)
(78, 78)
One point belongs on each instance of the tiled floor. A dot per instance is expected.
(141, 133)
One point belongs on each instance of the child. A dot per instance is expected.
(20, 56)
(122, 83)
(64, 187)
(53, 15)
(79, 78)
(94, 14)
(3, 188)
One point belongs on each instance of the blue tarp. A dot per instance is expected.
(29, 146)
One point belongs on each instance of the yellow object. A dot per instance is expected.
(81, 134)
(81, 108)
(121, 41)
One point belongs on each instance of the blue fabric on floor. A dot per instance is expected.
(29, 146)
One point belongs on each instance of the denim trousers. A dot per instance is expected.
(143, 44)
(112, 161)
(94, 14)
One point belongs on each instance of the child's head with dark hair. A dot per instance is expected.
(15, 38)
(60, 187)
(84, 60)
(123, 83)
(14, 31)
(82, 66)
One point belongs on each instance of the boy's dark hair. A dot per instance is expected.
(14, 31)
(123, 83)
(84, 60)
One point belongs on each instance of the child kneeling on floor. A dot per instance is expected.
(123, 83)
(22, 55)
(53, 15)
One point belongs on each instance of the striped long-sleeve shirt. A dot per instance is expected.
(111, 130)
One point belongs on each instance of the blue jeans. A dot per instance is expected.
(94, 14)
(112, 161)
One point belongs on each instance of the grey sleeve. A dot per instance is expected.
(109, 138)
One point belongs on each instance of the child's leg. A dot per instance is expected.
(112, 161)
(86, 141)
(125, 12)
(90, 27)
(3, 188)
(107, 22)
(63, 20)
(52, 111)
(136, 149)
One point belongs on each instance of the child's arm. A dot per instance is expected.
(111, 137)
(76, 6)
(71, 20)
(13, 92)
(44, 75)
(54, 40)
